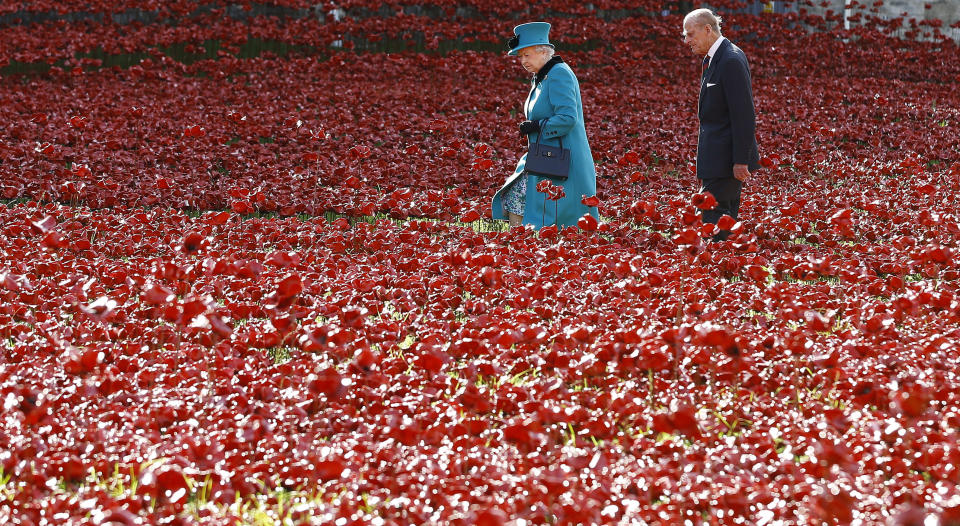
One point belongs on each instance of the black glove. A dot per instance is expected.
(528, 127)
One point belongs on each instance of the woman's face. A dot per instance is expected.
(532, 58)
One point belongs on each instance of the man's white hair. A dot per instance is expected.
(703, 17)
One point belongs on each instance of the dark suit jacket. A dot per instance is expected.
(727, 118)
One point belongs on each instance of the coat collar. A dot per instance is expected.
(542, 74)
(714, 58)
(715, 47)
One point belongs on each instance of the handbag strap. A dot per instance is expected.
(540, 134)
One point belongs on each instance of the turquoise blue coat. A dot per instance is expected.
(557, 98)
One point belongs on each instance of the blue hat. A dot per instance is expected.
(529, 34)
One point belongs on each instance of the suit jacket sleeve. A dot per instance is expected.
(561, 89)
(743, 120)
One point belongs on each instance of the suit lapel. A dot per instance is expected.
(715, 60)
(708, 75)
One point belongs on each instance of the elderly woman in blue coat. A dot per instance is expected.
(554, 111)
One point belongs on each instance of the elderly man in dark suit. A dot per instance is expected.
(727, 145)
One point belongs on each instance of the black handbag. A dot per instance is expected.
(548, 161)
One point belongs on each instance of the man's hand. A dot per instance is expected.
(741, 172)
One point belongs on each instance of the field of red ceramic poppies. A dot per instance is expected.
(248, 275)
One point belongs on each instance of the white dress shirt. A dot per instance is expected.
(714, 48)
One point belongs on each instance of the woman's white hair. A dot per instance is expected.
(543, 48)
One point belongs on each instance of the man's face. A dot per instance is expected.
(699, 37)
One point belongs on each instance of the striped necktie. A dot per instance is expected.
(706, 63)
